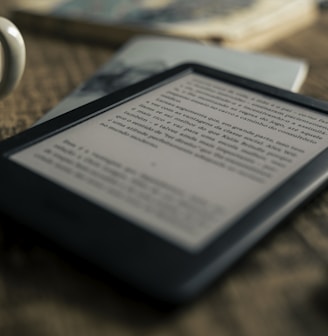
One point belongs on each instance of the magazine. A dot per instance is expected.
(145, 55)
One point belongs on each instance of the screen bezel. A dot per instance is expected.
(147, 261)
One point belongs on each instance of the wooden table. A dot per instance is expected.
(279, 288)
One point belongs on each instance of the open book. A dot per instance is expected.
(145, 56)
(239, 23)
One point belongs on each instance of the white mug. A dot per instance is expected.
(12, 56)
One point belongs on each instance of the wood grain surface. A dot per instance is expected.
(279, 288)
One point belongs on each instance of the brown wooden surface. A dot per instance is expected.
(280, 288)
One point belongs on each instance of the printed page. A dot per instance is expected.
(184, 160)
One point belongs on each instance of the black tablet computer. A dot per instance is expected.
(166, 183)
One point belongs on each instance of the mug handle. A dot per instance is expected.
(13, 56)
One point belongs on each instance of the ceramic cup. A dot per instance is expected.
(12, 56)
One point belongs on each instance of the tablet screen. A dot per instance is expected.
(184, 160)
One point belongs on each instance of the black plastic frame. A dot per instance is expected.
(140, 258)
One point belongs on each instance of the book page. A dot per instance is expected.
(184, 160)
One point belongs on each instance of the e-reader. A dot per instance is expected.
(166, 183)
